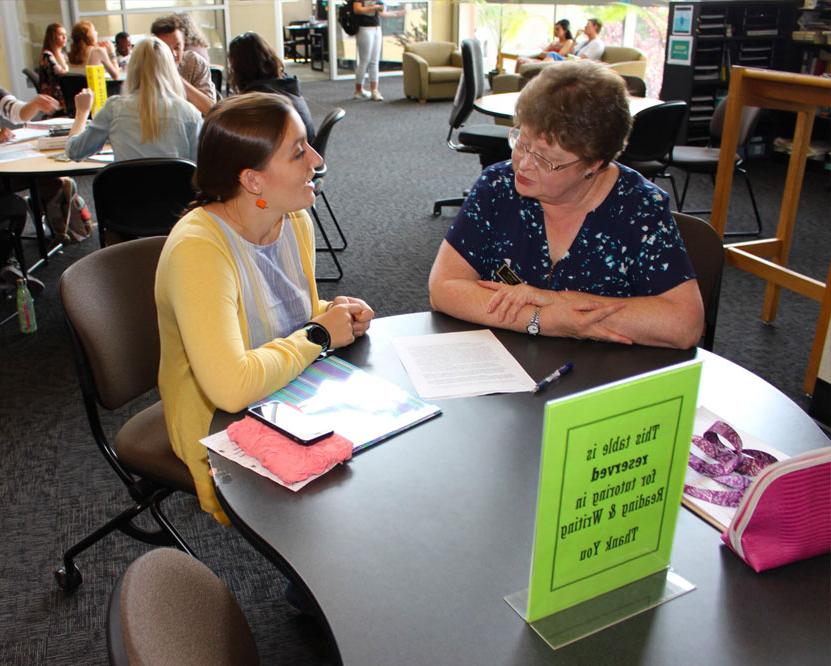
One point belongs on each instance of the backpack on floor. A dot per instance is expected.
(68, 215)
(347, 19)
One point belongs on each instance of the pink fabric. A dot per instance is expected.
(290, 461)
(791, 522)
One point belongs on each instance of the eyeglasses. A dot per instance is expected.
(539, 161)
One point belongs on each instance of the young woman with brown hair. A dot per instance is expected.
(53, 62)
(255, 67)
(239, 313)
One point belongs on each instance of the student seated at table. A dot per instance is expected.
(255, 67)
(558, 49)
(87, 50)
(153, 118)
(194, 39)
(13, 209)
(53, 62)
(194, 70)
(239, 314)
(123, 49)
(592, 242)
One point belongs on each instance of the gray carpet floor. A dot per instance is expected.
(388, 162)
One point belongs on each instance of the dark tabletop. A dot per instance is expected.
(410, 548)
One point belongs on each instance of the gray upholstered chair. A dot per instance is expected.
(431, 70)
(169, 608)
(706, 252)
(108, 299)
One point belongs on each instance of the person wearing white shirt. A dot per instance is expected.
(593, 47)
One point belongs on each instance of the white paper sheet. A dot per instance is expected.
(51, 123)
(222, 444)
(457, 365)
(18, 152)
(26, 134)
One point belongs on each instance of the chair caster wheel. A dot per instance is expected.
(68, 580)
(436, 212)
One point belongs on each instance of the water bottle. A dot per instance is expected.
(25, 308)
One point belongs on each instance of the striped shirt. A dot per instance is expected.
(274, 287)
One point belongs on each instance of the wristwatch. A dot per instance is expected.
(319, 335)
(533, 327)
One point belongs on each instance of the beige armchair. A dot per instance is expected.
(624, 60)
(431, 70)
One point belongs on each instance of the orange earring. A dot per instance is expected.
(262, 204)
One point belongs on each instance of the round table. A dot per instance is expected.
(32, 168)
(410, 548)
(502, 105)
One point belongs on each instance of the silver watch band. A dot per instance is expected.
(533, 327)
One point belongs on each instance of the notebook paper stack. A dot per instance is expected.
(360, 407)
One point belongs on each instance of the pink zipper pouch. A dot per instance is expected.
(785, 514)
(289, 461)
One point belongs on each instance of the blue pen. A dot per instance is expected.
(545, 382)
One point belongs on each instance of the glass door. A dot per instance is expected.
(406, 22)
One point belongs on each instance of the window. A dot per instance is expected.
(526, 28)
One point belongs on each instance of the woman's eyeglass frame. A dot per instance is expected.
(539, 161)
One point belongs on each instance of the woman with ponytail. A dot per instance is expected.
(239, 313)
(153, 118)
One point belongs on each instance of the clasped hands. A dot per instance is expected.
(573, 314)
(345, 319)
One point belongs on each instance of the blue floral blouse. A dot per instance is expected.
(628, 246)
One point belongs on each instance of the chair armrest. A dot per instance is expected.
(630, 68)
(501, 57)
(456, 59)
(507, 83)
(415, 75)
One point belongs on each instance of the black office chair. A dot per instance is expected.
(32, 78)
(635, 85)
(704, 159)
(706, 253)
(216, 79)
(13, 212)
(654, 132)
(168, 608)
(290, 51)
(319, 144)
(110, 311)
(72, 84)
(318, 48)
(490, 142)
(140, 198)
(300, 37)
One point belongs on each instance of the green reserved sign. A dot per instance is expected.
(611, 478)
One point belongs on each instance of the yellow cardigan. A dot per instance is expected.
(206, 360)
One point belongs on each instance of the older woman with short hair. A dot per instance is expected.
(590, 245)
